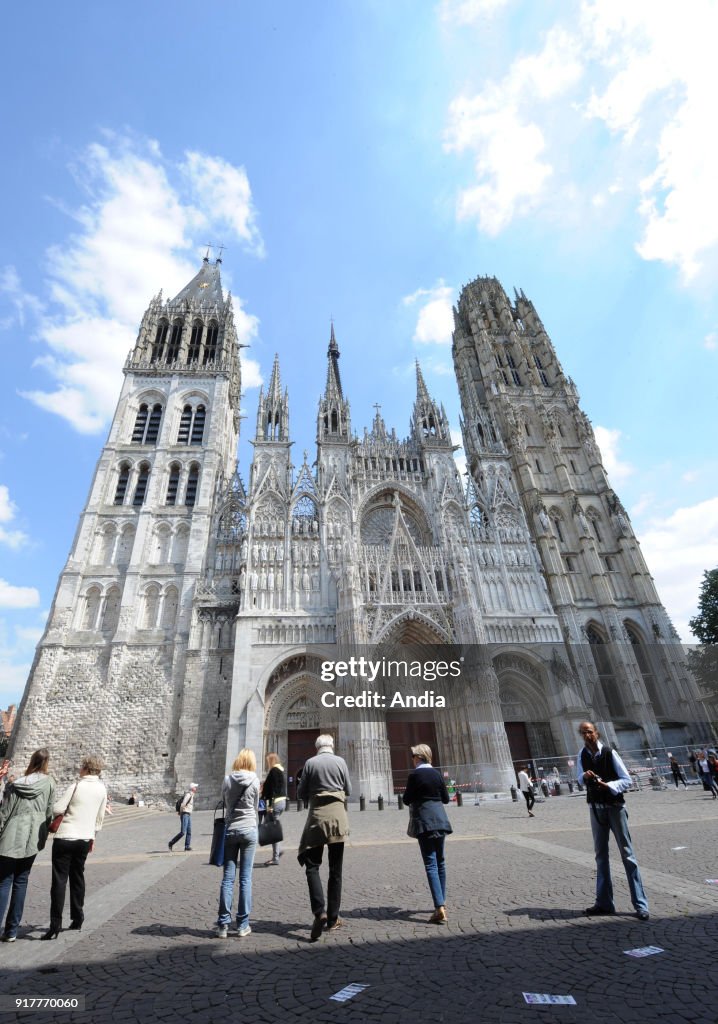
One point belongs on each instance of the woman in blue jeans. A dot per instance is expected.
(426, 794)
(240, 793)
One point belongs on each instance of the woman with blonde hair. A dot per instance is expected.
(25, 815)
(426, 794)
(274, 794)
(240, 793)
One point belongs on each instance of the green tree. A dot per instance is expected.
(703, 661)
(705, 623)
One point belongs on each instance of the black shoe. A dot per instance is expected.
(317, 927)
(642, 915)
(76, 926)
(596, 911)
(8, 938)
(51, 933)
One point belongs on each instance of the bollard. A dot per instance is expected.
(570, 786)
(362, 803)
(514, 795)
(380, 803)
(459, 799)
(399, 802)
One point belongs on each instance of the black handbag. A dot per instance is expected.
(219, 833)
(270, 831)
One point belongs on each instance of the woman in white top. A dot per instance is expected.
(83, 804)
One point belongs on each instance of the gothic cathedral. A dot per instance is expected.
(194, 613)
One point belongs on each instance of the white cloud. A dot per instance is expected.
(509, 147)
(435, 321)
(18, 597)
(8, 510)
(711, 341)
(138, 230)
(225, 191)
(464, 12)
(650, 78)
(678, 549)
(608, 441)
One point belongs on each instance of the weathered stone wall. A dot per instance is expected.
(203, 723)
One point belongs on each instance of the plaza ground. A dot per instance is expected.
(517, 888)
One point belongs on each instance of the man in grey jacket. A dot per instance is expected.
(325, 784)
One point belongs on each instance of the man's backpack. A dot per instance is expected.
(178, 805)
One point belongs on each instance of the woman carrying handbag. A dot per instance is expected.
(82, 807)
(274, 793)
(25, 816)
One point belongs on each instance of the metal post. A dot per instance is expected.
(380, 803)
(362, 803)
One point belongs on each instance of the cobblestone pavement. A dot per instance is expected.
(516, 891)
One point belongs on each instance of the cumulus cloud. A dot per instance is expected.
(608, 441)
(649, 78)
(711, 341)
(18, 597)
(8, 510)
(509, 147)
(679, 548)
(138, 231)
(435, 321)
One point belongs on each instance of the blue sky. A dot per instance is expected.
(362, 161)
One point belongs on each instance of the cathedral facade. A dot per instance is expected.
(196, 615)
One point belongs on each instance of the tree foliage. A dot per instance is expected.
(705, 623)
(703, 661)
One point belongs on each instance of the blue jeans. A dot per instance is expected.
(14, 873)
(605, 820)
(242, 845)
(432, 852)
(185, 830)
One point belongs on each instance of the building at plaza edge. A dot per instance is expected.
(194, 611)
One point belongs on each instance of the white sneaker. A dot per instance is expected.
(222, 931)
(244, 931)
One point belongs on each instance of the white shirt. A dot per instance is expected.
(524, 782)
(619, 785)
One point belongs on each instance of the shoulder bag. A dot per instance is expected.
(57, 820)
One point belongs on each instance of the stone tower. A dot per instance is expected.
(195, 615)
(521, 415)
(108, 671)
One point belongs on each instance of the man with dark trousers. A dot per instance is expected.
(325, 784)
(604, 775)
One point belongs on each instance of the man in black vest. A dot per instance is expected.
(604, 775)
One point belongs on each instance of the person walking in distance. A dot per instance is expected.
(527, 789)
(705, 773)
(274, 794)
(185, 813)
(677, 771)
(604, 774)
(325, 784)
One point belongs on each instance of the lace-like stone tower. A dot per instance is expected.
(194, 613)
(521, 415)
(108, 673)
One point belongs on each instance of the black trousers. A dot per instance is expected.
(312, 860)
(68, 861)
(529, 798)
